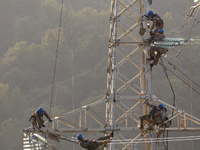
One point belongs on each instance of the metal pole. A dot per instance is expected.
(143, 79)
(112, 70)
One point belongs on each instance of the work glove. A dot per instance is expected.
(43, 125)
(50, 120)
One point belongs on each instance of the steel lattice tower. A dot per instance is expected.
(128, 84)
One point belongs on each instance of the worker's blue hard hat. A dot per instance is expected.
(150, 13)
(161, 30)
(165, 108)
(41, 111)
(79, 136)
(162, 106)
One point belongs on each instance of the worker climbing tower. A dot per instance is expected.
(129, 85)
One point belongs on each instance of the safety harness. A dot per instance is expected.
(159, 22)
(152, 113)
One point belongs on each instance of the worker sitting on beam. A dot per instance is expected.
(155, 114)
(158, 37)
(93, 144)
(37, 118)
(166, 125)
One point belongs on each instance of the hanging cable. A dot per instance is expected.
(162, 64)
(54, 75)
(187, 59)
(63, 38)
(56, 59)
(181, 79)
(176, 68)
(72, 67)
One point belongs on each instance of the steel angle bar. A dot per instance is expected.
(120, 140)
(132, 43)
(128, 31)
(123, 139)
(126, 117)
(127, 112)
(134, 8)
(139, 140)
(126, 7)
(129, 86)
(98, 116)
(132, 81)
(129, 11)
(132, 97)
(132, 56)
(128, 34)
(131, 30)
(95, 119)
(104, 99)
(68, 123)
(127, 146)
(129, 55)
(188, 116)
(128, 59)
(125, 86)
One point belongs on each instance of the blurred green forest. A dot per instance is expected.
(28, 43)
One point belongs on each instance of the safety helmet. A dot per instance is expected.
(150, 13)
(165, 108)
(41, 111)
(161, 30)
(79, 136)
(162, 106)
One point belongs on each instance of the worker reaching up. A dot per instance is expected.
(157, 22)
(93, 144)
(37, 118)
(155, 114)
(158, 37)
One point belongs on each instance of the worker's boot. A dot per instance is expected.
(151, 58)
(141, 127)
(111, 134)
(151, 66)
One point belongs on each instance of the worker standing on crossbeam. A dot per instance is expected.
(37, 118)
(158, 37)
(155, 114)
(157, 22)
(93, 144)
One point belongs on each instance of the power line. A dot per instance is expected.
(181, 72)
(54, 75)
(180, 79)
(188, 59)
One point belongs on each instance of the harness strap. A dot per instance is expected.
(32, 116)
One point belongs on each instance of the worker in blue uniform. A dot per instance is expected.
(93, 144)
(155, 114)
(37, 116)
